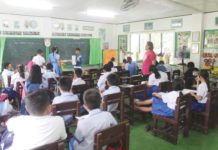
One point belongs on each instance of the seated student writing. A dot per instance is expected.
(39, 128)
(200, 97)
(89, 124)
(77, 80)
(6, 73)
(102, 80)
(112, 81)
(162, 103)
(66, 95)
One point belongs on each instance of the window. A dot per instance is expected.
(156, 39)
(168, 46)
(134, 46)
(144, 38)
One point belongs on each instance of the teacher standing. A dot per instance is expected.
(54, 58)
(148, 59)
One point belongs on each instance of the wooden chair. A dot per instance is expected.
(137, 89)
(58, 145)
(67, 108)
(95, 73)
(87, 79)
(52, 84)
(79, 90)
(116, 98)
(119, 68)
(173, 123)
(136, 79)
(201, 119)
(9, 81)
(115, 134)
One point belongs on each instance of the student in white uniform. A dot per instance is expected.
(103, 78)
(200, 97)
(162, 103)
(19, 76)
(77, 80)
(156, 76)
(112, 80)
(39, 128)
(66, 95)
(111, 65)
(6, 73)
(39, 59)
(88, 125)
(48, 74)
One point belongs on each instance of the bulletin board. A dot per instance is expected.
(108, 54)
(211, 39)
(183, 44)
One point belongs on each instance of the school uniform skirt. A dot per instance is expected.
(149, 92)
(161, 108)
(200, 107)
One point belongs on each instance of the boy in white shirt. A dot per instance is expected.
(112, 81)
(39, 59)
(77, 80)
(88, 125)
(39, 128)
(66, 95)
(103, 78)
(6, 73)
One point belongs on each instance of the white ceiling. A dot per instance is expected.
(145, 10)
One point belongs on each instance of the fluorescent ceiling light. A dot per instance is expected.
(100, 13)
(30, 4)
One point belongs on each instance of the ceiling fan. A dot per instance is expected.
(128, 4)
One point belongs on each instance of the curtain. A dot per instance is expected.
(2, 47)
(95, 52)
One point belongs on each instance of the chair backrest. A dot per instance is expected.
(208, 104)
(165, 86)
(67, 108)
(52, 83)
(181, 106)
(112, 135)
(136, 79)
(87, 79)
(79, 90)
(139, 89)
(112, 99)
(58, 145)
(124, 73)
(9, 81)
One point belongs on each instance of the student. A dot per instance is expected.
(112, 81)
(78, 58)
(88, 125)
(162, 103)
(124, 65)
(103, 78)
(77, 80)
(39, 128)
(200, 97)
(48, 74)
(66, 95)
(113, 61)
(189, 75)
(54, 58)
(161, 66)
(132, 67)
(6, 73)
(111, 65)
(34, 82)
(39, 59)
(19, 76)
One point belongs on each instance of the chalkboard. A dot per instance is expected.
(20, 50)
(67, 48)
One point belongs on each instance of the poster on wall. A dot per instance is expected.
(211, 39)
(183, 44)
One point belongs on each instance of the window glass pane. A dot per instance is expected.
(134, 48)
(168, 46)
(144, 38)
(156, 39)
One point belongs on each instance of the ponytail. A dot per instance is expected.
(155, 71)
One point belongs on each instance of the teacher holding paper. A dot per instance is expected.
(148, 59)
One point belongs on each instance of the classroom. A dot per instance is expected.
(108, 74)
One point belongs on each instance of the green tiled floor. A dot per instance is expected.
(142, 140)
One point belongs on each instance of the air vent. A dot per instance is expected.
(128, 4)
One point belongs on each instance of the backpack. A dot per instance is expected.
(10, 92)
